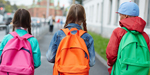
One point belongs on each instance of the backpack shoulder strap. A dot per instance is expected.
(81, 32)
(132, 31)
(27, 36)
(125, 29)
(66, 31)
(14, 34)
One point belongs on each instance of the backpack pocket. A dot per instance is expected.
(129, 67)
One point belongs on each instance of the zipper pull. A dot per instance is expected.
(127, 67)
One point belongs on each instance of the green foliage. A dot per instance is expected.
(2, 1)
(100, 44)
(14, 7)
(8, 7)
(22, 7)
(79, 1)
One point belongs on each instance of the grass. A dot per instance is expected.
(100, 44)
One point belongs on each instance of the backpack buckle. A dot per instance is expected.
(21, 38)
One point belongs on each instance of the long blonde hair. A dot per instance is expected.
(76, 14)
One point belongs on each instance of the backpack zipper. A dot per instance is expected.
(7, 73)
(26, 50)
(86, 56)
(127, 67)
(136, 44)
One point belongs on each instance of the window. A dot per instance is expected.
(148, 15)
(117, 19)
(89, 14)
(92, 13)
(110, 11)
(86, 11)
(101, 12)
(97, 13)
(137, 2)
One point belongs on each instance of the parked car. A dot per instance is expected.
(7, 19)
(35, 21)
(1, 19)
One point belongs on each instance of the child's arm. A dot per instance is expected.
(112, 47)
(1, 47)
(36, 52)
(91, 52)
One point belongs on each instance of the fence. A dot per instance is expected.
(36, 31)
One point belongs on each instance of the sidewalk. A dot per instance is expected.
(46, 68)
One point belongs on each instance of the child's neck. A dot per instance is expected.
(21, 28)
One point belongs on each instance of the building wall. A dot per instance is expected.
(39, 10)
(102, 18)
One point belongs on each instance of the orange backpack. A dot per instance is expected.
(72, 57)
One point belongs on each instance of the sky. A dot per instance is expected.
(29, 2)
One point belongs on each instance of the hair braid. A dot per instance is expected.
(84, 25)
(13, 28)
(29, 30)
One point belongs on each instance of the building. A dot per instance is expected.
(102, 18)
(39, 9)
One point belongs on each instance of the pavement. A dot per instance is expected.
(46, 68)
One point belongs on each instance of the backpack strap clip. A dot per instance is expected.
(68, 32)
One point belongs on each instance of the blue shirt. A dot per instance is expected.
(59, 35)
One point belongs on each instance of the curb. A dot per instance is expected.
(101, 60)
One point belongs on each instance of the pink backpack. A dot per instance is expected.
(17, 58)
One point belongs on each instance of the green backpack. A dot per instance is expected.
(133, 55)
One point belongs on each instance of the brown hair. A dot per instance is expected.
(22, 19)
(76, 14)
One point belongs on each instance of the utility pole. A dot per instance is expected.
(47, 12)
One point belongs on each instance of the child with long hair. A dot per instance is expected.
(22, 25)
(75, 18)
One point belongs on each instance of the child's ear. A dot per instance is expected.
(126, 16)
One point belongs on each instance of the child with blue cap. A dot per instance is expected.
(129, 12)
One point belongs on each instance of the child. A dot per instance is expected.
(22, 23)
(129, 12)
(75, 18)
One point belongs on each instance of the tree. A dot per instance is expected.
(8, 7)
(22, 6)
(80, 1)
(14, 7)
(76, 1)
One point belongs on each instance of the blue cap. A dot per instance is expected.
(129, 8)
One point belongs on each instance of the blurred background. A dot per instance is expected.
(100, 14)
(101, 19)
